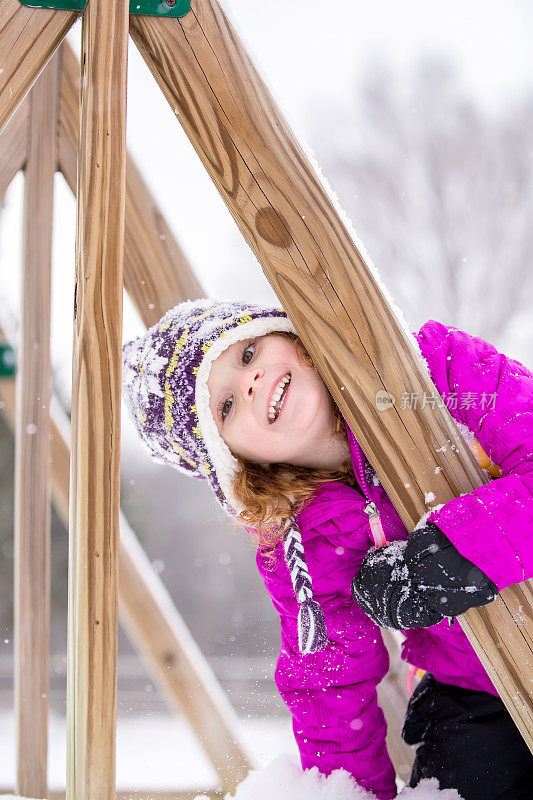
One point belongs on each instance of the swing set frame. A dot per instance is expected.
(319, 273)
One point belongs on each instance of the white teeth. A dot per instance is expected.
(276, 394)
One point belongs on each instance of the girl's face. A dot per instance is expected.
(242, 382)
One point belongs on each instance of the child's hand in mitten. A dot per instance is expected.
(418, 582)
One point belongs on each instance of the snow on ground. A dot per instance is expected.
(154, 751)
(159, 752)
(284, 779)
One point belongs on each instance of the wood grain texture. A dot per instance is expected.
(96, 396)
(324, 282)
(28, 38)
(153, 624)
(137, 795)
(32, 494)
(305, 250)
(13, 147)
(157, 274)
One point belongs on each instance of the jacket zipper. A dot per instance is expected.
(376, 527)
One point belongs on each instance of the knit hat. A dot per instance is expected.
(165, 374)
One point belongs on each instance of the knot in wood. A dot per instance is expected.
(169, 660)
(272, 226)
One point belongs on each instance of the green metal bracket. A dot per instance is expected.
(160, 8)
(66, 5)
(148, 8)
(8, 361)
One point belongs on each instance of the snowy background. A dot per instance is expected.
(420, 115)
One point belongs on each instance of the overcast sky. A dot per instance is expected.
(310, 52)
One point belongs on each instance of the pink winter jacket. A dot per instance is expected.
(337, 721)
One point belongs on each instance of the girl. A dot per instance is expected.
(225, 391)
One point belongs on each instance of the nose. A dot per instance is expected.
(250, 383)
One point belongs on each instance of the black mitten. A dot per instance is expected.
(418, 582)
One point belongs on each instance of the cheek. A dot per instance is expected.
(242, 434)
(284, 351)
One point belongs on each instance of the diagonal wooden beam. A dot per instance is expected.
(153, 623)
(32, 494)
(13, 147)
(157, 274)
(334, 299)
(161, 637)
(28, 38)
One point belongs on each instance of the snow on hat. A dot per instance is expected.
(165, 375)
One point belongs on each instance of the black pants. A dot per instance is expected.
(468, 741)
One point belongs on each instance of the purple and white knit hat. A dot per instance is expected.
(165, 375)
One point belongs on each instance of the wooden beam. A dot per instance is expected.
(13, 147)
(157, 274)
(153, 623)
(96, 397)
(145, 794)
(32, 494)
(334, 299)
(28, 38)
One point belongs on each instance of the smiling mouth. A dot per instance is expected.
(278, 398)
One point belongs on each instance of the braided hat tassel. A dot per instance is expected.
(312, 633)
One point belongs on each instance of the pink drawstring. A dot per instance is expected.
(410, 679)
(376, 528)
(378, 534)
(413, 671)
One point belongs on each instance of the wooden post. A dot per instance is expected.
(154, 625)
(28, 38)
(96, 393)
(335, 301)
(157, 274)
(13, 147)
(32, 496)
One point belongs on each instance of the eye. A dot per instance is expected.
(250, 348)
(224, 408)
